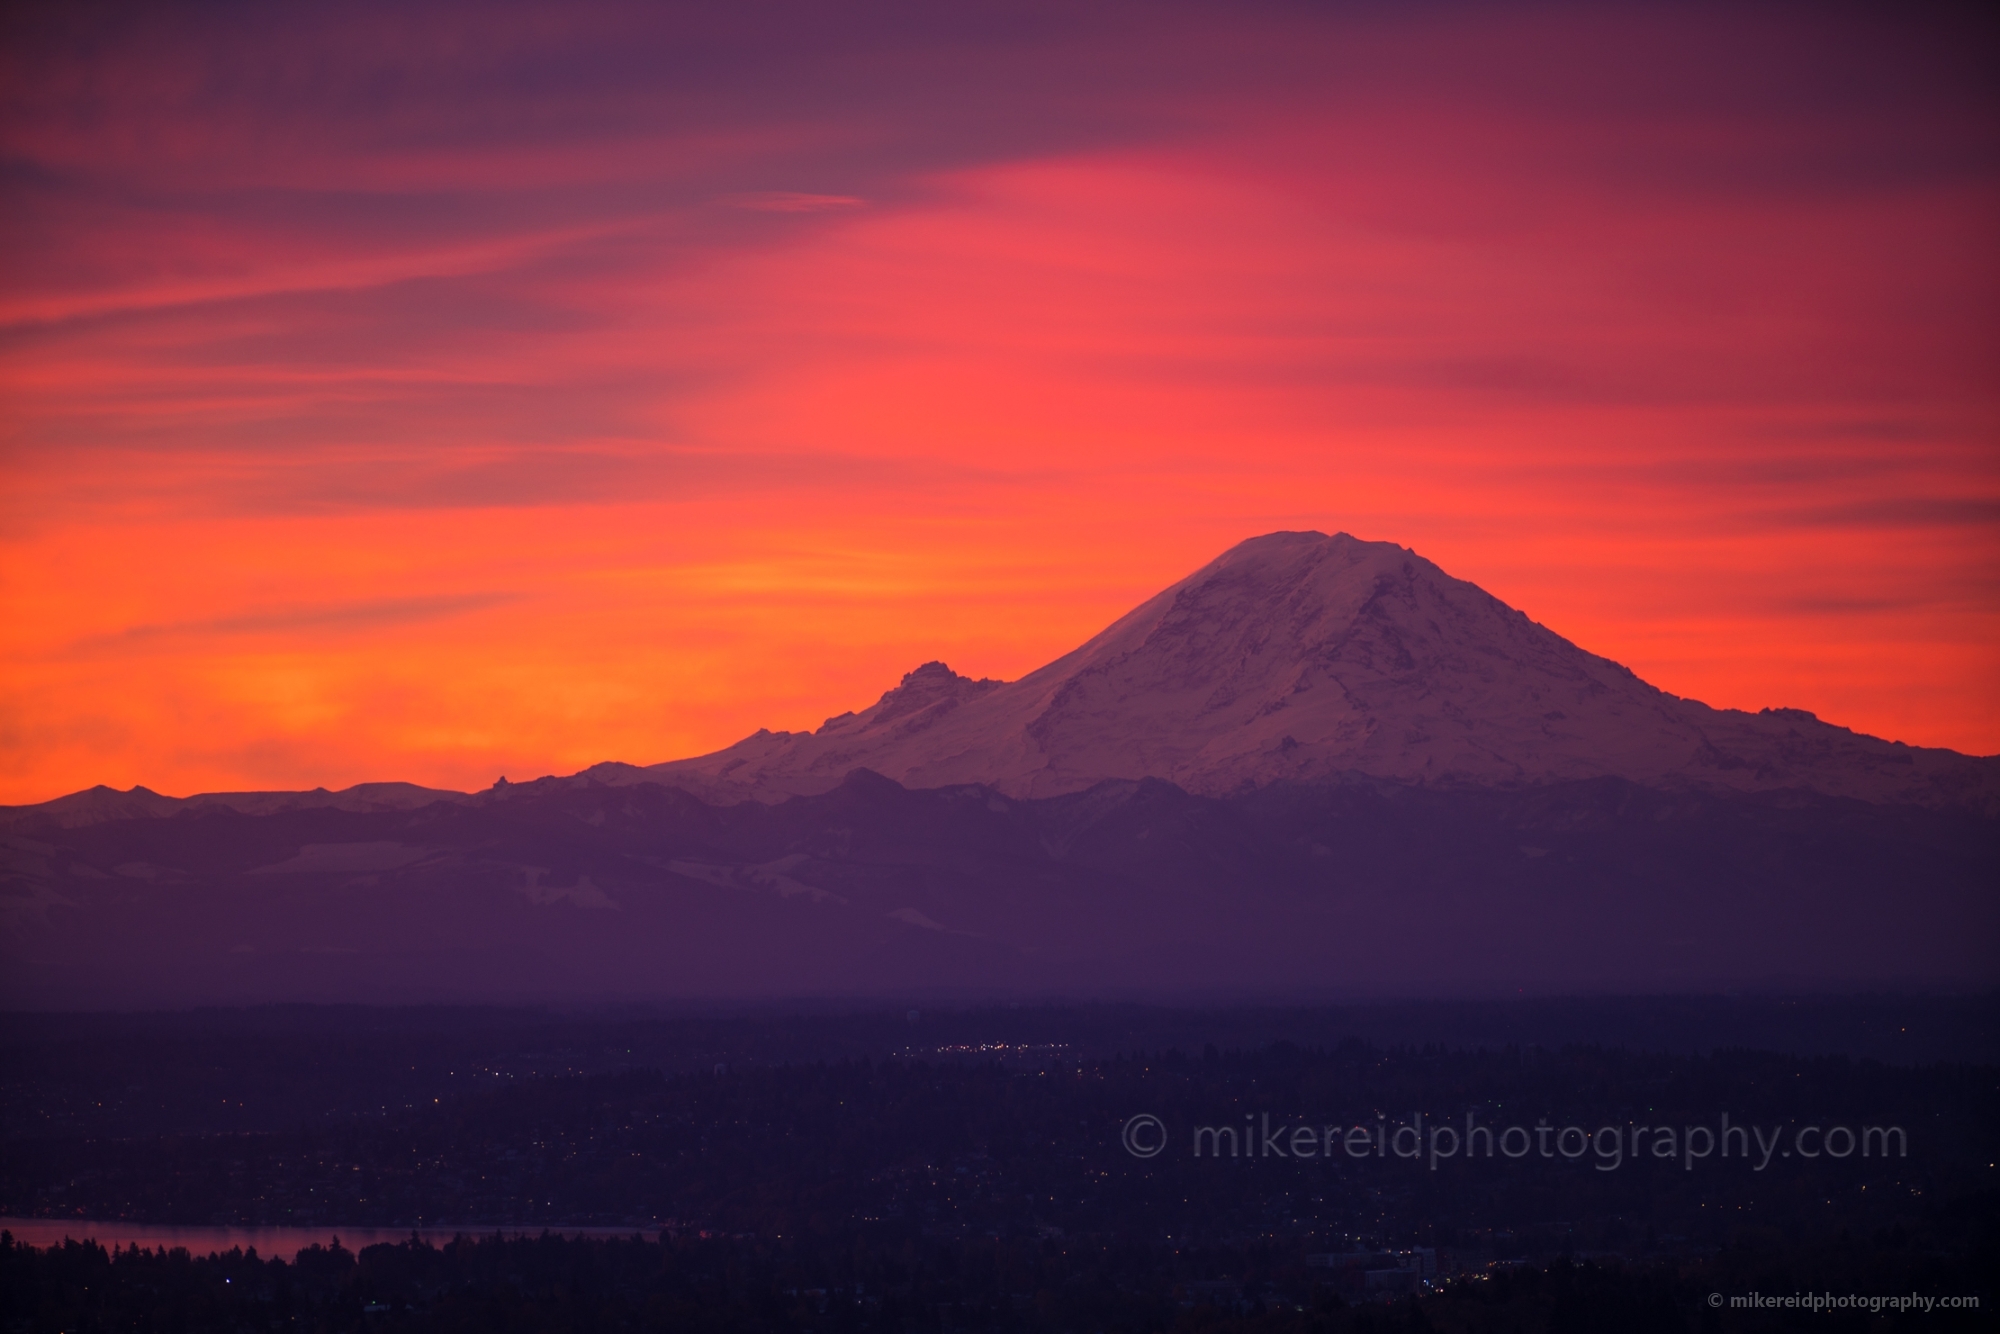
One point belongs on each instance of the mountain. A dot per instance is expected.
(1292, 657)
(1301, 657)
(1315, 767)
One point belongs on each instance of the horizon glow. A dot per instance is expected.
(433, 393)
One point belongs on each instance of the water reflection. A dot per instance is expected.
(285, 1242)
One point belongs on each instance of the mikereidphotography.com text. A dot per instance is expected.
(1435, 1142)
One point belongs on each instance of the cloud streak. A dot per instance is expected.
(320, 620)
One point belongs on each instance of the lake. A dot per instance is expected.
(269, 1241)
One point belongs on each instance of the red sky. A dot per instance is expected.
(432, 392)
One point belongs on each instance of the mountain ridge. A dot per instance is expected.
(557, 892)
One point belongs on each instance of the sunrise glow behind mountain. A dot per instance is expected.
(387, 404)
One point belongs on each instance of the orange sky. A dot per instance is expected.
(382, 402)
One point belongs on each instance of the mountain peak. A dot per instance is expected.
(923, 696)
(930, 682)
(1303, 656)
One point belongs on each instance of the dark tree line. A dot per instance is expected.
(850, 1285)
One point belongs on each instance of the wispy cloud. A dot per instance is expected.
(791, 201)
(320, 619)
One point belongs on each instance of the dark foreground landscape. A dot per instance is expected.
(579, 891)
(976, 1168)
